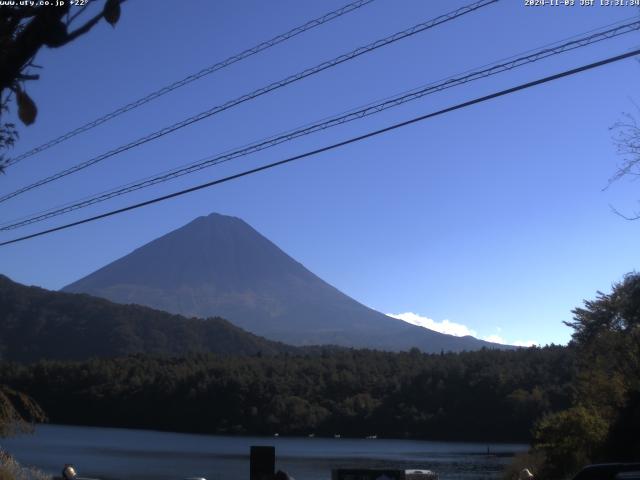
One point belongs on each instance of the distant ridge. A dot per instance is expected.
(38, 324)
(220, 266)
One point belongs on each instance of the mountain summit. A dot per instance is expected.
(220, 266)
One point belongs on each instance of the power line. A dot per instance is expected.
(371, 109)
(256, 93)
(196, 76)
(334, 146)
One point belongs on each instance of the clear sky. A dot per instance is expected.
(493, 218)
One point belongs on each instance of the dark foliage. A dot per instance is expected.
(617, 312)
(603, 422)
(583, 400)
(18, 412)
(477, 395)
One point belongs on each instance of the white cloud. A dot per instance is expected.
(457, 329)
(495, 339)
(445, 326)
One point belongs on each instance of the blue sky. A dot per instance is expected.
(492, 218)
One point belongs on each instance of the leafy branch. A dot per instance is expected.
(24, 30)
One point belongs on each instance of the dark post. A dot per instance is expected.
(262, 463)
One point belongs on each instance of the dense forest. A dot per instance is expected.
(575, 404)
(478, 395)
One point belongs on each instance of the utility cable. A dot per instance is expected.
(193, 77)
(334, 146)
(370, 109)
(256, 93)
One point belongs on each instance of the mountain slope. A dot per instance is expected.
(40, 324)
(220, 266)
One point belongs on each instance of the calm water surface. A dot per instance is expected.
(115, 454)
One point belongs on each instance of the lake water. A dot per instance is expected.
(109, 453)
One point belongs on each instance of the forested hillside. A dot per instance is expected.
(40, 324)
(577, 404)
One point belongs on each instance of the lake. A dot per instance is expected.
(111, 453)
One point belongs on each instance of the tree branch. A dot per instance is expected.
(78, 13)
(635, 216)
(83, 29)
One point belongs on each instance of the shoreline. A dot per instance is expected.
(489, 443)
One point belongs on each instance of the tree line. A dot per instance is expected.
(576, 404)
(484, 395)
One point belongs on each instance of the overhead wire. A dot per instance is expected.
(334, 146)
(420, 27)
(278, 39)
(371, 109)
